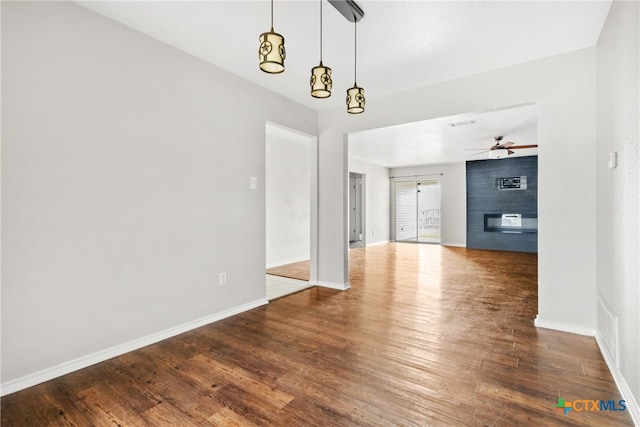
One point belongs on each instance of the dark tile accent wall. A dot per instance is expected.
(484, 197)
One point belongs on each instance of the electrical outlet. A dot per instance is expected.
(253, 183)
(373, 232)
(223, 278)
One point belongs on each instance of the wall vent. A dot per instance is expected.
(465, 123)
(608, 329)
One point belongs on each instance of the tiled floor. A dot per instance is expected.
(278, 287)
(297, 270)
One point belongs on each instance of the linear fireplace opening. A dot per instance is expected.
(515, 223)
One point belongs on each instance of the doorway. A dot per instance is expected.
(356, 210)
(290, 210)
(417, 211)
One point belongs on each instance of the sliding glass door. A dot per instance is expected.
(417, 211)
(406, 204)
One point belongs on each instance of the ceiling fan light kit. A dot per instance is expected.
(497, 154)
(272, 55)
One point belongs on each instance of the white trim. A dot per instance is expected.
(623, 387)
(456, 245)
(287, 261)
(564, 327)
(338, 286)
(100, 356)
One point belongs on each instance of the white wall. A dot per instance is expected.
(564, 87)
(125, 185)
(618, 97)
(288, 197)
(125, 169)
(376, 200)
(453, 202)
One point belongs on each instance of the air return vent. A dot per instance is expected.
(465, 123)
(608, 329)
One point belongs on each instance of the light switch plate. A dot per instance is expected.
(612, 160)
(253, 183)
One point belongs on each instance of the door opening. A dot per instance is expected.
(290, 188)
(417, 210)
(356, 210)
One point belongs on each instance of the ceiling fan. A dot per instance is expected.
(503, 148)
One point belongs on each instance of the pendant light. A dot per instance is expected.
(321, 76)
(271, 51)
(355, 95)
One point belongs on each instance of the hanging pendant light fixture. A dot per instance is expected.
(355, 95)
(321, 76)
(271, 51)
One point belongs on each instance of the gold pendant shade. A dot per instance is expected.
(272, 52)
(355, 95)
(355, 100)
(321, 82)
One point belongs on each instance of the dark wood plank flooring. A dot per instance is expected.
(426, 336)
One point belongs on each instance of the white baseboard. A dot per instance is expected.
(338, 286)
(456, 245)
(100, 356)
(623, 387)
(564, 327)
(287, 261)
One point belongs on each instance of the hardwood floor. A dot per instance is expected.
(426, 336)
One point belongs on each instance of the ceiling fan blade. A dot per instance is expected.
(524, 146)
(504, 145)
(481, 152)
(509, 151)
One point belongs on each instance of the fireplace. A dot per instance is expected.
(514, 223)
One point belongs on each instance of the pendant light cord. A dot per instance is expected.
(355, 52)
(321, 31)
(271, 15)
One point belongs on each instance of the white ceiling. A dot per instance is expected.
(401, 45)
(436, 141)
